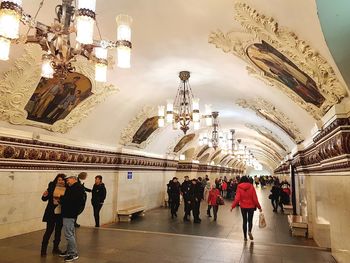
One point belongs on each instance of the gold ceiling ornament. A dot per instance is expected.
(278, 57)
(268, 135)
(21, 80)
(128, 133)
(268, 111)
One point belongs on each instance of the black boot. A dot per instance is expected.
(43, 249)
(56, 250)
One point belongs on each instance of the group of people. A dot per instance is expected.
(198, 189)
(66, 199)
(280, 194)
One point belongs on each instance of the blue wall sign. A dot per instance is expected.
(129, 175)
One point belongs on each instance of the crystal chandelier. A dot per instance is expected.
(215, 138)
(56, 39)
(184, 109)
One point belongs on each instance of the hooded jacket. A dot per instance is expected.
(246, 196)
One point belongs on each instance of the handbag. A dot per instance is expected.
(220, 200)
(270, 196)
(262, 221)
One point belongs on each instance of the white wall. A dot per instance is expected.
(21, 208)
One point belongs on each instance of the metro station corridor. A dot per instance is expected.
(157, 237)
(106, 106)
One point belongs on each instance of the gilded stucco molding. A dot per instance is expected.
(258, 28)
(269, 112)
(127, 134)
(269, 135)
(20, 81)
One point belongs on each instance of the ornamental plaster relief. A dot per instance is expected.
(20, 81)
(301, 58)
(127, 134)
(268, 111)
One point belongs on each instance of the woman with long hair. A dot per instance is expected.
(248, 201)
(52, 215)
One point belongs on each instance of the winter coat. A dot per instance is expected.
(213, 195)
(224, 186)
(246, 196)
(185, 189)
(174, 190)
(275, 192)
(196, 193)
(49, 214)
(73, 200)
(98, 194)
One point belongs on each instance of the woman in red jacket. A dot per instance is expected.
(248, 201)
(212, 200)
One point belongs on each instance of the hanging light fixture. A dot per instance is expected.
(184, 109)
(55, 40)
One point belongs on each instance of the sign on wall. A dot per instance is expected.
(129, 175)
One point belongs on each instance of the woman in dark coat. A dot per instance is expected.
(52, 215)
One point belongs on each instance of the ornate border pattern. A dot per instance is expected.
(257, 28)
(285, 123)
(19, 83)
(330, 151)
(128, 132)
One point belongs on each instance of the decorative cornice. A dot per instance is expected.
(26, 154)
(330, 151)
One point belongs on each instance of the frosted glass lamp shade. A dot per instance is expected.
(87, 4)
(10, 19)
(85, 29)
(100, 72)
(5, 45)
(123, 54)
(46, 68)
(124, 27)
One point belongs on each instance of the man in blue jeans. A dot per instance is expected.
(71, 202)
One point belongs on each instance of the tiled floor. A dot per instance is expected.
(156, 238)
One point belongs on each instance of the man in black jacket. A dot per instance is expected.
(98, 197)
(71, 203)
(196, 196)
(185, 191)
(174, 196)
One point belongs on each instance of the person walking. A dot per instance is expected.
(275, 196)
(174, 196)
(248, 202)
(214, 193)
(52, 215)
(72, 201)
(185, 191)
(99, 193)
(196, 196)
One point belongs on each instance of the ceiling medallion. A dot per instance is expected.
(280, 59)
(184, 109)
(60, 48)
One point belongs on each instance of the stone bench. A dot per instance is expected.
(125, 215)
(298, 225)
(288, 209)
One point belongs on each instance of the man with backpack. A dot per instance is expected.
(72, 202)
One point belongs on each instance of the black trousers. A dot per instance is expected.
(274, 203)
(247, 215)
(97, 208)
(187, 207)
(55, 224)
(195, 209)
(174, 205)
(215, 210)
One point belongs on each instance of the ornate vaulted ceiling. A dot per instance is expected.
(225, 46)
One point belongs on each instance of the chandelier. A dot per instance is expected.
(215, 138)
(184, 109)
(60, 48)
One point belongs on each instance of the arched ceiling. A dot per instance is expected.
(170, 36)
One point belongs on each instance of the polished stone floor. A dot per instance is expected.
(157, 238)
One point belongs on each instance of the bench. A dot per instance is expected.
(125, 215)
(298, 225)
(288, 209)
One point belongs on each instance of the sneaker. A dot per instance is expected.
(56, 251)
(245, 239)
(70, 258)
(250, 236)
(76, 225)
(63, 254)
